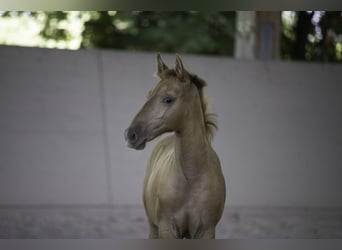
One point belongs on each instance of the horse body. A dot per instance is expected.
(184, 188)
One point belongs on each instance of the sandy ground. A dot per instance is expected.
(129, 222)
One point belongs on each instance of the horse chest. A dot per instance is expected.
(184, 210)
(176, 195)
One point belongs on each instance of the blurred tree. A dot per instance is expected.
(177, 31)
(314, 36)
(329, 47)
(191, 32)
(52, 28)
(303, 28)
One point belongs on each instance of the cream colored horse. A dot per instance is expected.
(184, 188)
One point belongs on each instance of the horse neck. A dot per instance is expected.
(192, 146)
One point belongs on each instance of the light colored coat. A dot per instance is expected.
(184, 188)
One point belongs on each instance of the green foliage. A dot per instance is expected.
(52, 23)
(191, 32)
(314, 36)
(325, 49)
(52, 26)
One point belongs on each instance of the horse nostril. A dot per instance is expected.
(132, 134)
(132, 137)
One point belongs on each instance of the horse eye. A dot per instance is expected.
(168, 100)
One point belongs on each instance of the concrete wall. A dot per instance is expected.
(63, 113)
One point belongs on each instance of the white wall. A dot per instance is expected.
(63, 113)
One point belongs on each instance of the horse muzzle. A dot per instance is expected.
(135, 137)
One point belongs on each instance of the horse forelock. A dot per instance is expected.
(209, 118)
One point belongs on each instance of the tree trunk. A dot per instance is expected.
(302, 29)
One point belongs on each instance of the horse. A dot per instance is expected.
(184, 188)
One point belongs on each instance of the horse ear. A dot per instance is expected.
(179, 68)
(161, 67)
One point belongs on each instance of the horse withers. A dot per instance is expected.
(184, 188)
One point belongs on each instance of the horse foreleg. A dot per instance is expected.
(153, 234)
(168, 230)
(206, 234)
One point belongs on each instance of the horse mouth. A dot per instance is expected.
(138, 146)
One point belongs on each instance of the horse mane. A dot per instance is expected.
(210, 119)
